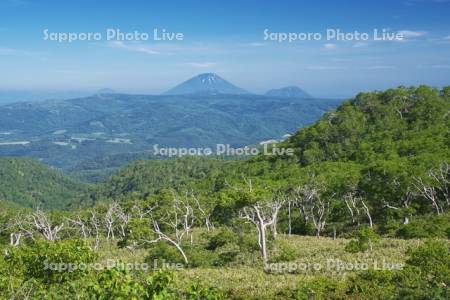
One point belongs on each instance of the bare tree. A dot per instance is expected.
(109, 220)
(81, 225)
(95, 223)
(355, 204)
(124, 219)
(43, 224)
(175, 232)
(262, 216)
(205, 214)
(441, 177)
(312, 206)
(428, 192)
(183, 208)
(289, 208)
(405, 202)
(318, 209)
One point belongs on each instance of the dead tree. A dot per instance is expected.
(205, 215)
(95, 223)
(81, 225)
(20, 227)
(318, 209)
(175, 237)
(355, 204)
(262, 216)
(312, 206)
(183, 209)
(405, 202)
(124, 219)
(289, 208)
(302, 196)
(441, 177)
(110, 219)
(42, 223)
(429, 193)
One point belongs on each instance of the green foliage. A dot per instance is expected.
(426, 226)
(162, 252)
(425, 276)
(30, 183)
(198, 292)
(97, 125)
(222, 238)
(365, 239)
(50, 262)
(142, 179)
(284, 252)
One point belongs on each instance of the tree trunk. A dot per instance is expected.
(263, 246)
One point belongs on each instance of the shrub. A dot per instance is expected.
(365, 239)
(426, 227)
(222, 238)
(284, 252)
(161, 252)
(48, 261)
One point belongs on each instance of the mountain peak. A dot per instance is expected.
(289, 92)
(209, 83)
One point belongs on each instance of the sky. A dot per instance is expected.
(238, 40)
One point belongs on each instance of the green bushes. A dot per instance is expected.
(365, 239)
(50, 262)
(284, 252)
(425, 276)
(428, 226)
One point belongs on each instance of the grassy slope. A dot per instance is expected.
(249, 281)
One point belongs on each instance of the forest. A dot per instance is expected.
(360, 211)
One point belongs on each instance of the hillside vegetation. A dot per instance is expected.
(33, 184)
(360, 211)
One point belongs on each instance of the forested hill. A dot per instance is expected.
(409, 123)
(143, 178)
(32, 184)
(383, 147)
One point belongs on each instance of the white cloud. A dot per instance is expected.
(9, 51)
(411, 34)
(359, 44)
(381, 67)
(330, 46)
(440, 66)
(324, 68)
(201, 64)
(255, 44)
(136, 48)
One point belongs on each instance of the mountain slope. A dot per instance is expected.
(376, 146)
(66, 133)
(32, 184)
(207, 83)
(289, 92)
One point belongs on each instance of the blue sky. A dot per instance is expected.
(226, 37)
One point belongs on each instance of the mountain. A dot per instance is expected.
(65, 133)
(207, 83)
(142, 178)
(289, 92)
(380, 146)
(30, 183)
(106, 91)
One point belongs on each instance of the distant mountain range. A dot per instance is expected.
(211, 84)
(202, 84)
(288, 92)
(207, 83)
(107, 129)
